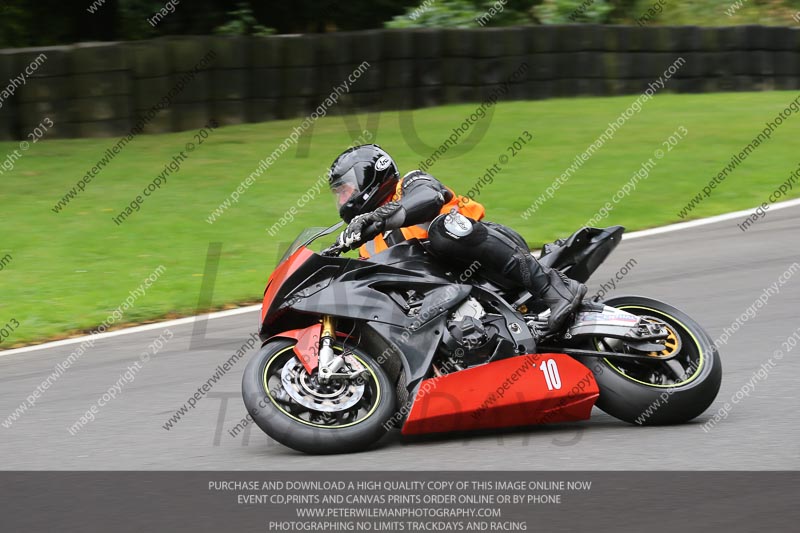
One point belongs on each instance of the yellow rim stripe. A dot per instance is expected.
(374, 407)
(687, 330)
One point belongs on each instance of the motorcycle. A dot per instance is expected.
(354, 348)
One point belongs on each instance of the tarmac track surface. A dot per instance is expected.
(713, 272)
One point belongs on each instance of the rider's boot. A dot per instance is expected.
(561, 294)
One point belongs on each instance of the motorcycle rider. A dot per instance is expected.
(382, 209)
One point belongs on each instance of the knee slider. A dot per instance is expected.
(447, 230)
(457, 226)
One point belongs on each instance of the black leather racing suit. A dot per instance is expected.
(461, 241)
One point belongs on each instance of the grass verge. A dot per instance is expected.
(67, 272)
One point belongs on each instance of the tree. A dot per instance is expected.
(574, 11)
(242, 22)
(465, 14)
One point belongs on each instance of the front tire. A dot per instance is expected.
(661, 392)
(296, 410)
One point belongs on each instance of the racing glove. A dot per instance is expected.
(364, 228)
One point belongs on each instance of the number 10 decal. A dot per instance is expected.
(550, 371)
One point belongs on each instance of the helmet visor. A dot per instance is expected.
(345, 187)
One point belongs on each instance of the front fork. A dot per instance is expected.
(329, 362)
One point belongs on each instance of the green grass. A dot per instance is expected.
(70, 270)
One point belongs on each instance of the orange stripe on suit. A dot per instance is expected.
(468, 208)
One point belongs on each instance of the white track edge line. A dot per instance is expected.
(133, 329)
(705, 221)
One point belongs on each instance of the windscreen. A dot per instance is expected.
(307, 236)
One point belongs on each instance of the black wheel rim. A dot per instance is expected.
(677, 371)
(328, 409)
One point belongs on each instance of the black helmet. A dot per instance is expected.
(362, 178)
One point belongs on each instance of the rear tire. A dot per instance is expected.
(625, 395)
(312, 429)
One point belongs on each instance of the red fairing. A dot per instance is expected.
(279, 275)
(307, 347)
(518, 391)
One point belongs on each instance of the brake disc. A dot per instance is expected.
(672, 344)
(334, 396)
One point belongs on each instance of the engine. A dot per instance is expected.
(468, 339)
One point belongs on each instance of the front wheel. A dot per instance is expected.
(299, 411)
(661, 391)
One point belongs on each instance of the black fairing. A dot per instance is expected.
(580, 255)
(371, 292)
(375, 294)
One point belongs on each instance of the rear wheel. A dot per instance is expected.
(661, 391)
(299, 411)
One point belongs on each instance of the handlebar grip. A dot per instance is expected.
(374, 227)
(332, 250)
